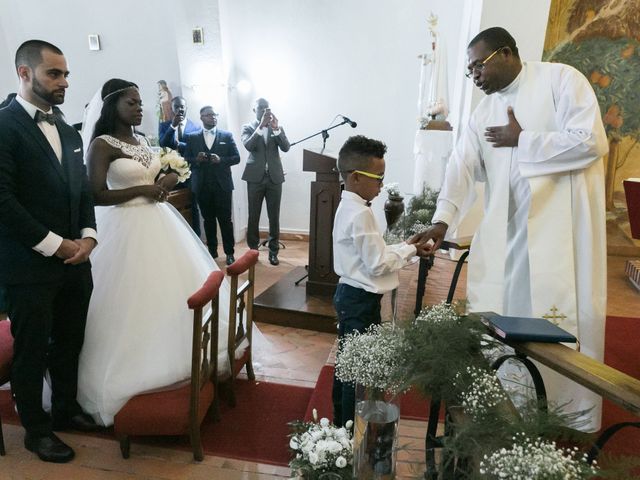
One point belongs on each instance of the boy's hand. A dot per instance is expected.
(423, 250)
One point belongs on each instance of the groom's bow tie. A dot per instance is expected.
(46, 117)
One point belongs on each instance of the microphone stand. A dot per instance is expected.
(324, 133)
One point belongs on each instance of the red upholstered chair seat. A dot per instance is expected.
(6, 357)
(170, 411)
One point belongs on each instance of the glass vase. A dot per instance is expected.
(375, 434)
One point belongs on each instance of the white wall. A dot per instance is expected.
(137, 39)
(315, 59)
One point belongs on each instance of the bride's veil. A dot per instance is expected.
(90, 118)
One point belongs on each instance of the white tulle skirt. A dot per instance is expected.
(147, 263)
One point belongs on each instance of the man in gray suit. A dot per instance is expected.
(264, 138)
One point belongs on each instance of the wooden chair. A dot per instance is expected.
(6, 356)
(241, 325)
(180, 408)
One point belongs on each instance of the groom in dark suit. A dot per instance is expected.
(47, 231)
(211, 153)
(264, 138)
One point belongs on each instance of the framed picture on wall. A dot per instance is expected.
(197, 35)
(94, 42)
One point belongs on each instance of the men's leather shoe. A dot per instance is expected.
(273, 259)
(81, 422)
(230, 259)
(49, 448)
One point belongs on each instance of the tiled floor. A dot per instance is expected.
(292, 356)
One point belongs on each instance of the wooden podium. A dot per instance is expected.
(325, 196)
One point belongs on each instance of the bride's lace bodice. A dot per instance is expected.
(140, 166)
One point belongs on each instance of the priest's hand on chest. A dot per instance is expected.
(504, 135)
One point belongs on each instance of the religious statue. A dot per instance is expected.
(433, 94)
(165, 114)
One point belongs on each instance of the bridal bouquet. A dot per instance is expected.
(321, 450)
(171, 161)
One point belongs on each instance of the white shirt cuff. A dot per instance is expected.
(445, 212)
(49, 245)
(276, 132)
(89, 233)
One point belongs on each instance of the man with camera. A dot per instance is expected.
(211, 153)
(264, 138)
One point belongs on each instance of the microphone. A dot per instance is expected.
(349, 121)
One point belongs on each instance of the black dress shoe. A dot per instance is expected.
(273, 259)
(81, 422)
(49, 448)
(230, 259)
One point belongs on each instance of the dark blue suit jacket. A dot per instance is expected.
(38, 194)
(207, 174)
(167, 135)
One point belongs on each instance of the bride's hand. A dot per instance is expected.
(155, 192)
(168, 181)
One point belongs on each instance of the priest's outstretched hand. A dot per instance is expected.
(429, 241)
(505, 135)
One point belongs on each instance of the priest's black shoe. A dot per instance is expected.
(49, 448)
(81, 422)
(230, 259)
(273, 259)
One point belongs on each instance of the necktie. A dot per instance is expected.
(180, 132)
(45, 117)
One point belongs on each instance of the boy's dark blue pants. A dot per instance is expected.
(357, 309)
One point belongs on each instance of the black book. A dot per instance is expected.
(522, 329)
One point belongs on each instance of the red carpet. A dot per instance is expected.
(622, 352)
(255, 430)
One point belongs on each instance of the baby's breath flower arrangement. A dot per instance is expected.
(171, 161)
(536, 459)
(321, 447)
(481, 391)
(371, 359)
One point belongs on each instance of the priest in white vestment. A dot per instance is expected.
(536, 141)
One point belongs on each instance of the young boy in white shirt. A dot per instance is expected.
(367, 267)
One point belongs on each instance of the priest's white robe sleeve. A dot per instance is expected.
(463, 171)
(580, 138)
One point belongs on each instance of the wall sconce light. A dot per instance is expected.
(94, 42)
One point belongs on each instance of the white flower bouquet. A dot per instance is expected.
(393, 189)
(537, 459)
(371, 359)
(171, 161)
(320, 448)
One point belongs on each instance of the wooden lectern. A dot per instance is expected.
(325, 196)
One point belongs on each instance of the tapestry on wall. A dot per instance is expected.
(601, 38)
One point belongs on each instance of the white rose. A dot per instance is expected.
(313, 458)
(341, 433)
(334, 447)
(349, 424)
(341, 462)
(324, 422)
(293, 443)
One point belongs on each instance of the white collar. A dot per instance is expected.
(30, 108)
(347, 195)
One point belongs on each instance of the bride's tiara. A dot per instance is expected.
(118, 91)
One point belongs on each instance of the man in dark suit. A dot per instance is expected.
(211, 153)
(264, 138)
(47, 231)
(171, 134)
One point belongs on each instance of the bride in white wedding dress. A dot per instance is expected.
(147, 263)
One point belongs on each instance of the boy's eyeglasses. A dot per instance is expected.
(479, 67)
(375, 176)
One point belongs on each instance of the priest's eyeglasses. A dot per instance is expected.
(479, 67)
(375, 176)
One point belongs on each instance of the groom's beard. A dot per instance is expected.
(55, 97)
